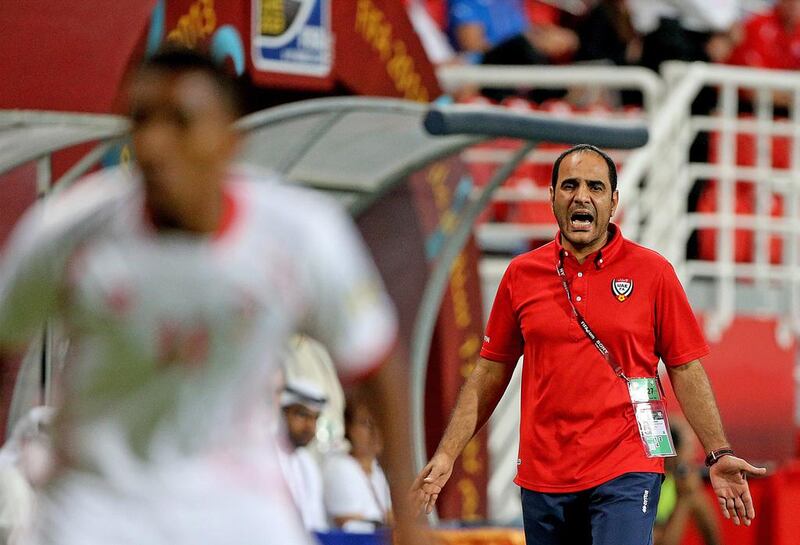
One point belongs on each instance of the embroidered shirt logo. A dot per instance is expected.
(622, 288)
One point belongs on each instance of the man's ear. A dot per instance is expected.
(614, 202)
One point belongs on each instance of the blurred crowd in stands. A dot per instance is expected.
(757, 33)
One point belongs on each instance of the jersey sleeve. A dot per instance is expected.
(29, 287)
(679, 339)
(349, 311)
(503, 339)
(34, 263)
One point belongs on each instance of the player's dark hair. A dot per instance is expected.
(612, 168)
(178, 59)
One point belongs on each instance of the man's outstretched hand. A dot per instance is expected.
(729, 480)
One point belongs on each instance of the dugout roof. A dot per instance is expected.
(29, 135)
(355, 148)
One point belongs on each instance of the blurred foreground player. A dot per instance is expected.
(180, 286)
(592, 313)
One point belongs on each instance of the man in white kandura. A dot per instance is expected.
(180, 284)
(302, 402)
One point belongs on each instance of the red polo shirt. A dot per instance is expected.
(577, 428)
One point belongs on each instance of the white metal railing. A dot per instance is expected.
(454, 77)
(657, 212)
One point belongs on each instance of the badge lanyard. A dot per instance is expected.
(647, 395)
(615, 366)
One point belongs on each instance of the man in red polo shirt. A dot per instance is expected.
(586, 300)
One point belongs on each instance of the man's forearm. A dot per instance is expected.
(476, 402)
(696, 397)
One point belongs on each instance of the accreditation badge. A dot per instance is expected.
(651, 417)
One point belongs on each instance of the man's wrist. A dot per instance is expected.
(444, 452)
(714, 456)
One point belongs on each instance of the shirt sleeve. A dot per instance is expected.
(34, 265)
(350, 311)
(679, 339)
(503, 339)
(29, 278)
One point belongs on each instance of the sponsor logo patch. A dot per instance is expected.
(622, 288)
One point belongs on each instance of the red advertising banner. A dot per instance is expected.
(68, 56)
(72, 56)
(378, 52)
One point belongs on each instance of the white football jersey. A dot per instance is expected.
(175, 338)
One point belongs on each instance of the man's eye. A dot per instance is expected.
(180, 119)
(138, 117)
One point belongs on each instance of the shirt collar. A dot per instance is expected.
(604, 255)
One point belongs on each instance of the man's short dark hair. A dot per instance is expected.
(612, 168)
(177, 59)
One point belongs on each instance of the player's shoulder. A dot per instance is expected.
(285, 205)
(93, 196)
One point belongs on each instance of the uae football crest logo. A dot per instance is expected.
(622, 288)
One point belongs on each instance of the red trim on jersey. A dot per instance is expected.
(352, 378)
(577, 427)
(230, 209)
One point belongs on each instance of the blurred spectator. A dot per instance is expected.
(477, 27)
(301, 403)
(499, 32)
(682, 494)
(607, 33)
(356, 491)
(549, 32)
(685, 30)
(771, 39)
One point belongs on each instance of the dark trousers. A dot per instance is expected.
(619, 512)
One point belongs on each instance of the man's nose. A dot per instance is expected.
(582, 193)
(152, 139)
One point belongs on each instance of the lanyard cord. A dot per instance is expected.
(371, 486)
(615, 366)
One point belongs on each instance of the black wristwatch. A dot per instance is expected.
(714, 456)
